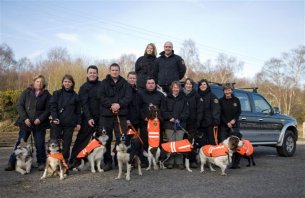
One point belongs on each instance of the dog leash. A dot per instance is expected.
(136, 133)
(216, 135)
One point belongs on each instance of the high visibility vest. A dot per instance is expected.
(215, 151)
(246, 149)
(153, 130)
(89, 148)
(60, 157)
(180, 146)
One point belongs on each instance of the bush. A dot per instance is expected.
(8, 100)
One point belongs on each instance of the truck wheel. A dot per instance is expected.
(289, 145)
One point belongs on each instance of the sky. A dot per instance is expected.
(253, 31)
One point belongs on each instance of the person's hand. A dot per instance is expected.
(115, 107)
(77, 128)
(232, 122)
(91, 122)
(27, 122)
(172, 120)
(56, 121)
(37, 121)
(128, 122)
(229, 125)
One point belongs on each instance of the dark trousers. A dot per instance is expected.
(82, 139)
(64, 133)
(39, 141)
(110, 123)
(144, 135)
(208, 133)
(225, 132)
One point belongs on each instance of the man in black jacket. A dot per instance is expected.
(149, 96)
(116, 94)
(169, 67)
(90, 99)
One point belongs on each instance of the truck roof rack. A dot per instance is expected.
(254, 89)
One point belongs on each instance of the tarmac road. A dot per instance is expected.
(273, 176)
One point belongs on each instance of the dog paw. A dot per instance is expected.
(156, 168)
(213, 170)
(148, 168)
(223, 174)
(42, 178)
(62, 178)
(75, 169)
(101, 170)
(127, 178)
(202, 171)
(93, 171)
(117, 178)
(189, 170)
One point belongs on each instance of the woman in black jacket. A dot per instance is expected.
(33, 110)
(175, 112)
(208, 112)
(65, 110)
(145, 66)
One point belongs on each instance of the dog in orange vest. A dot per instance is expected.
(220, 155)
(246, 150)
(55, 164)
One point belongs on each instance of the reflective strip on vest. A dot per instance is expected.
(153, 130)
(181, 146)
(215, 151)
(89, 148)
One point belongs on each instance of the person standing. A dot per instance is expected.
(230, 112)
(90, 99)
(134, 113)
(146, 66)
(169, 67)
(33, 110)
(65, 110)
(191, 96)
(116, 94)
(175, 112)
(208, 112)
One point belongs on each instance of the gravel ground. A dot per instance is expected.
(272, 177)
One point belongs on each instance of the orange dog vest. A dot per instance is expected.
(60, 157)
(153, 129)
(89, 148)
(181, 146)
(246, 149)
(215, 151)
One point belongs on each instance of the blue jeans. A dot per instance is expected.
(39, 140)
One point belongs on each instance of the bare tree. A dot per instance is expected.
(127, 62)
(190, 54)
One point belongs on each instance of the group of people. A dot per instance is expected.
(115, 103)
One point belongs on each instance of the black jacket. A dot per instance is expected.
(65, 106)
(145, 67)
(208, 109)
(111, 92)
(192, 99)
(230, 109)
(90, 99)
(169, 69)
(177, 108)
(30, 106)
(150, 97)
(134, 111)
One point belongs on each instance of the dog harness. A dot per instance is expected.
(246, 149)
(60, 157)
(89, 148)
(153, 129)
(181, 146)
(215, 151)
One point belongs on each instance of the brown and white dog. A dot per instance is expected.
(126, 155)
(219, 155)
(24, 158)
(153, 129)
(55, 165)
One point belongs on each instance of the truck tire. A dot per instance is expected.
(289, 145)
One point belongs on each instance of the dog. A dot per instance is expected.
(153, 129)
(93, 153)
(55, 164)
(24, 158)
(126, 155)
(246, 151)
(226, 150)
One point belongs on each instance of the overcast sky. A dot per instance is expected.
(253, 31)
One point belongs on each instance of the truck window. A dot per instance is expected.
(244, 100)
